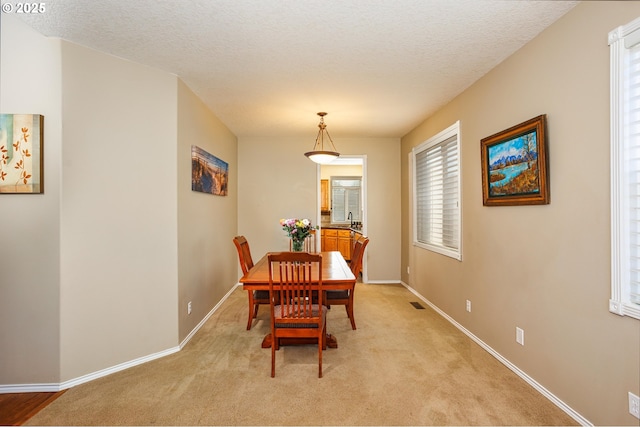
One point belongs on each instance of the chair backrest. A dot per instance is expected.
(358, 255)
(244, 253)
(296, 278)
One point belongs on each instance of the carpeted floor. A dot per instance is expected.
(402, 366)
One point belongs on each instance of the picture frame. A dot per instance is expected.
(514, 165)
(21, 154)
(209, 174)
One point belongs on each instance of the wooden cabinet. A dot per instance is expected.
(324, 195)
(332, 239)
(329, 239)
(344, 243)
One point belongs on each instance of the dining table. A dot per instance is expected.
(336, 275)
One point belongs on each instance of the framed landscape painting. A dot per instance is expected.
(514, 165)
(21, 162)
(209, 174)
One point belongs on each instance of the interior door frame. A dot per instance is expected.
(365, 225)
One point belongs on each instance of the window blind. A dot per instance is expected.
(632, 153)
(436, 195)
(345, 198)
(624, 46)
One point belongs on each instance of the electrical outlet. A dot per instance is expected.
(634, 405)
(519, 336)
(189, 307)
(469, 306)
(408, 270)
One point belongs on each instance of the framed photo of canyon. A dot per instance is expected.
(514, 165)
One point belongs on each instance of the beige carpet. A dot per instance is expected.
(402, 366)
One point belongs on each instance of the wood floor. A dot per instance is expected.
(17, 408)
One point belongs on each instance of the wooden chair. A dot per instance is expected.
(309, 243)
(256, 298)
(345, 297)
(292, 280)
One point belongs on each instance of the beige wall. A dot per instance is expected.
(118, 211)
(327, 171)
(30, 243)
(97, 271)
(207, 259)
(542, 268)
(277, 181)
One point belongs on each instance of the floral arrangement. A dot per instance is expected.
(298, 230)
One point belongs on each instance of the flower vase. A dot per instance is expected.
(297, 245)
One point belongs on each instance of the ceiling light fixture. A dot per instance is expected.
(319, 154)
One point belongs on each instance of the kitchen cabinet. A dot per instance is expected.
(329, 239)
(344, 243)
(333, 239)
(324, 196)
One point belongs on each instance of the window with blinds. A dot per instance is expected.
(624, 45)
(345, 199)
(436, 188)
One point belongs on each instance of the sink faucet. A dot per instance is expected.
(350, 218)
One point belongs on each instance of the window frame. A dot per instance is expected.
(439, 140)
(357, 216)
(620, 300)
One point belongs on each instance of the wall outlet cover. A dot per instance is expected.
(634, 405)
(519, 336)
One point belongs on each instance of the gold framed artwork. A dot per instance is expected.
(514, 165)
(21, 154)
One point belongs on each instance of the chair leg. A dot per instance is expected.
(273, 357)
(321, 344)
(349, 308)
(324, 339)
(251, 310)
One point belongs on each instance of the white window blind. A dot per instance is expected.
(632, 130)
(345, 198)
(625, 169)
(437, 193)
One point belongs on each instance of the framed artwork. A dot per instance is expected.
(514, 165)
(21, 150)
(209, 174)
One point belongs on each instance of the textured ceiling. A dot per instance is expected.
(266, 67)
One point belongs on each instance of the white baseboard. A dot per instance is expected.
(546, 393)
(55, 387)
(383, 282)
(30, 388)
(204, 320)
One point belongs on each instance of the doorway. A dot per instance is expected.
(344, 166)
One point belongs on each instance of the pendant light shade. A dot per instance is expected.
(319, 153)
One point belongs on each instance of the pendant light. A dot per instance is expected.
(319, 154)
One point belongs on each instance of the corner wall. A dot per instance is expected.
(119, 269)
(30, 74)
(207, 223)
(96, 272)
(545, 269)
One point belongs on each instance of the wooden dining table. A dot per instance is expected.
(336, 275)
